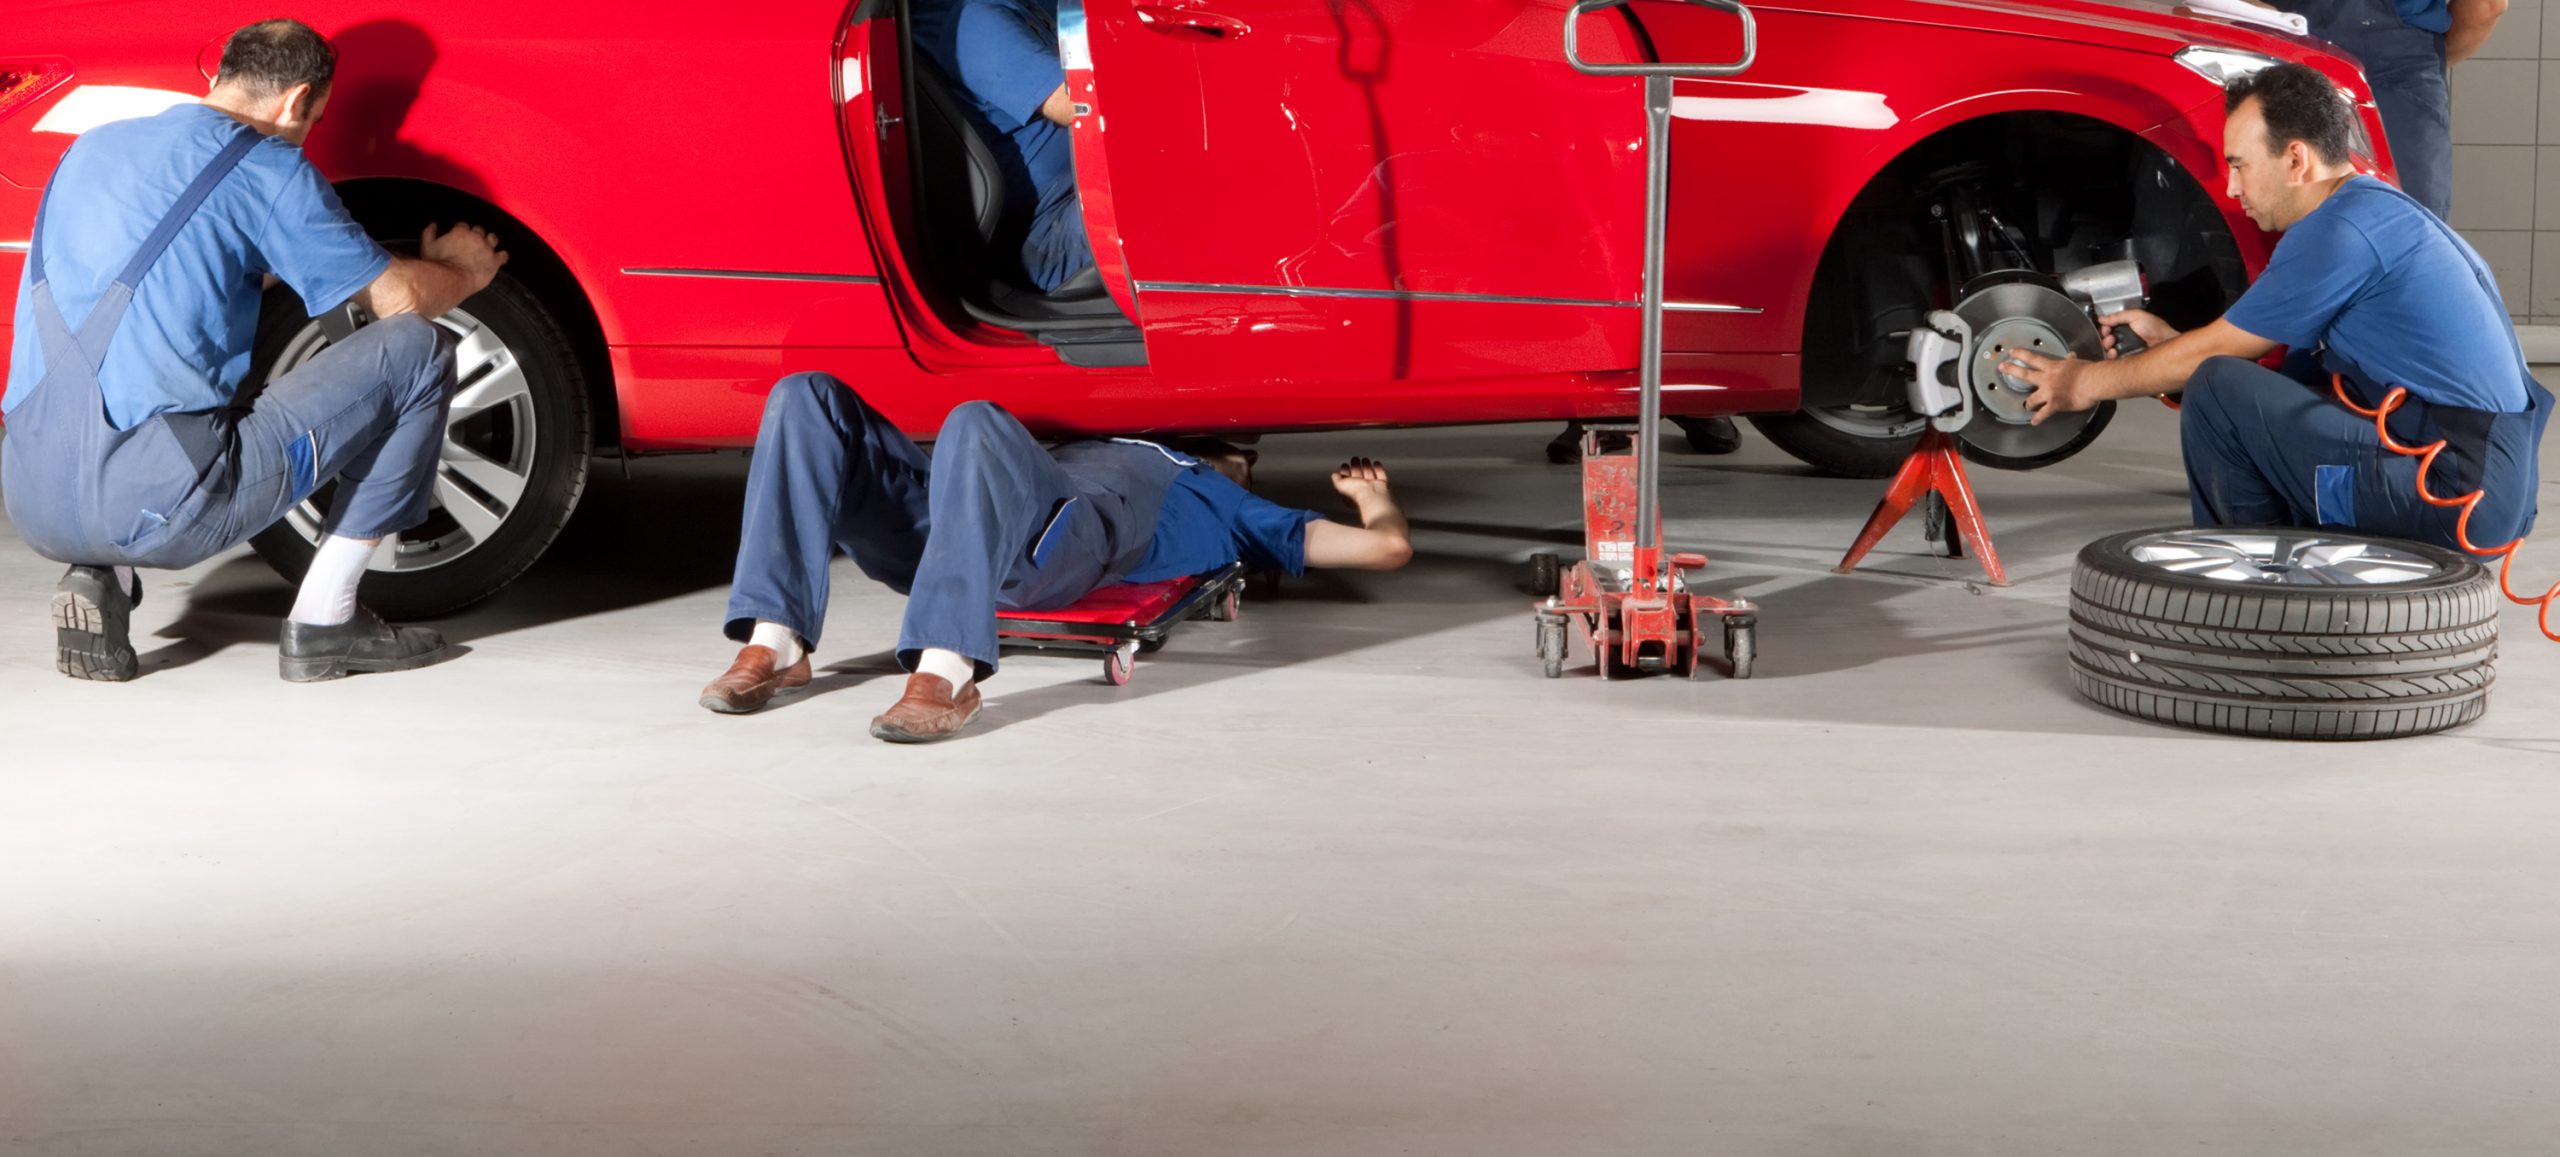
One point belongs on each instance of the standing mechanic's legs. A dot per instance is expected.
(2406, 69)
(2417, 114)
(2265, 450)
(829, 474)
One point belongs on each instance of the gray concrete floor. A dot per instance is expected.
(1345, 877)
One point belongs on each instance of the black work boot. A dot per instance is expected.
(362, 645)
(92, 625)
(1711, 435)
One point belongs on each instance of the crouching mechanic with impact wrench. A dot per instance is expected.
(992, 520)
(129, 445)
(2369, 291)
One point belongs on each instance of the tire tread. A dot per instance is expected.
(2283, 662)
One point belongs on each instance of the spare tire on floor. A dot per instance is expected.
(2284, 633)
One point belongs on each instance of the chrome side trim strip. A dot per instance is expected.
(15, 246)
(1412, 295)
(757, 275)
(1364, 294)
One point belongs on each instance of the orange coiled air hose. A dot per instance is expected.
(2426, 456)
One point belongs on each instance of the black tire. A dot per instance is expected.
(1845, 455)
(1546, 575)
(1834, 451)
(556, 458)
(2374, 660)
(1552, 648)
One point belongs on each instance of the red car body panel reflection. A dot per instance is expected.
(1353, 212)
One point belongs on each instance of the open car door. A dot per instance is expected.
(1317, 196)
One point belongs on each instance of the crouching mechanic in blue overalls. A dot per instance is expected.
(127, 446)
(2366, 283)
(992, 520)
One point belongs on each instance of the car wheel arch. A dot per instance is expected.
(397, 208)
(1945, 138)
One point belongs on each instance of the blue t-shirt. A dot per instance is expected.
(185, 341)
(2429, 15)
(2385, 286)
(1208, 521)
(1004, 56)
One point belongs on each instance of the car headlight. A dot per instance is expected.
(2224, 65)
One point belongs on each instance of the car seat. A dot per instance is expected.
(960, 168)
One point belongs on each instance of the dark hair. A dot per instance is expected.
(2298, 104)
(272, 56)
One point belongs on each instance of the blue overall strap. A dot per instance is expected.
(184, 209)
(90, 342)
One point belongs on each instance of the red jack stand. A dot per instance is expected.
(1935, 470)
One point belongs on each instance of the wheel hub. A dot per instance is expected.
(2012, 311)
(485, 465)
(2281, 558)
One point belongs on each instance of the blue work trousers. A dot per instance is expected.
(2406, 68)
(368, 412)
(2264, 449)
(1057, 248)
(988, 522)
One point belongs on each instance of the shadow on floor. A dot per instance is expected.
(670, 529)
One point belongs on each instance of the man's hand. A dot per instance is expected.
(469, 249)
(1361, 480)
(1382, 541)
(2146, 325)
(450, 266)
(2057, 382)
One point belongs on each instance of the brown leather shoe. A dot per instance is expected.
(751, 682)
(927, 712)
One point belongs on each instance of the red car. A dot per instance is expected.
(1309, 213)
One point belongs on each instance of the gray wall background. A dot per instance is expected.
(2506, 157)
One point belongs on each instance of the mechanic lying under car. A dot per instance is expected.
(992, 520)
(2365, 284)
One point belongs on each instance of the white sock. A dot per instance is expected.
(129, 582)
(328, 595)
(779, 639)
(951, 665)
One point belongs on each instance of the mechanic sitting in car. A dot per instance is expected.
(128, 443)
(991, 521)
(1004, 53)
(2366, 283)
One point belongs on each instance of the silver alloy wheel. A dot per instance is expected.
(2283, 558)
(486, 462)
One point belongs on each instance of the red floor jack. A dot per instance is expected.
(1631, 602)
(1122, 621)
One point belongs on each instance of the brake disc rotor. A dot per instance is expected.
(2021, 310)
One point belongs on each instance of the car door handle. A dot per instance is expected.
(1190, 22)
